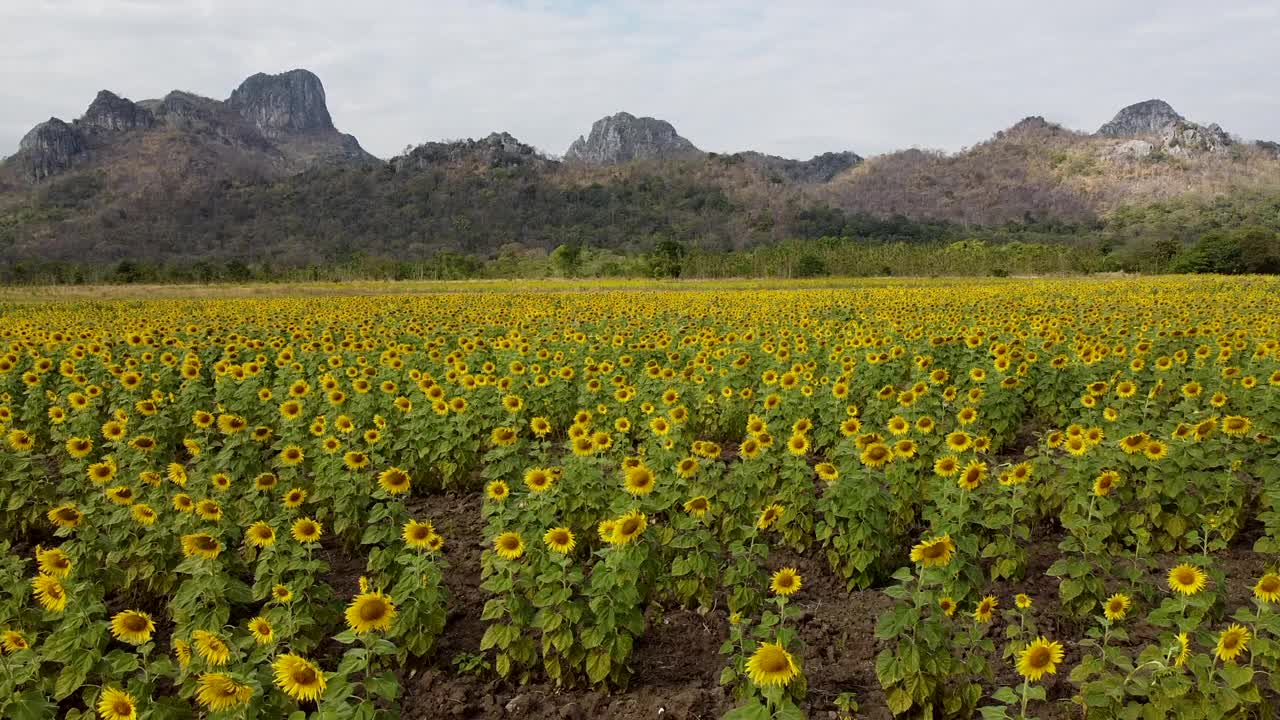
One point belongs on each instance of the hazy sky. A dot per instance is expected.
(788, 77)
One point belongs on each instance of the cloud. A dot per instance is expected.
(794, 78)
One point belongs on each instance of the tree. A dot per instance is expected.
(1215, 252)
(810, 265)
(567, 258)
(667, 259)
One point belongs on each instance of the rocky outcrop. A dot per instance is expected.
(818, 169)
(1144, 118)
(623, 137)
(280, 122)
(498, 150)
(111, 113)
(50, 148)
(1183, 139)
(291, 102)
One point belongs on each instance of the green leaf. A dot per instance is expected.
(898, 700)
(755, 711)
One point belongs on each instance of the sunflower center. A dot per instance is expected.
(135, 623)
(373, 609)
(122, 707)
(933, 551)
(1270, 584)
(304, 676)
(1185, 577)
(1230, 642)
(1039, 657)
(774, 662)
(206, 543)
(629, 526)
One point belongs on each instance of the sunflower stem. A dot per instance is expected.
(1026, 684)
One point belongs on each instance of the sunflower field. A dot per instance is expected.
(940, 499)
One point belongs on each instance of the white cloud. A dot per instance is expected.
(793, 78)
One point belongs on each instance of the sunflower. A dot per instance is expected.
(827, 472)
(1040, 658)
(292, 455)
(1187, 579)
(1183, 648)
(639, 481)
(49, 591)
(1155, 450)
(306, 530)
(13, 641)
(540, 426)
(201, 545)
(265, 482)
(947, 605)
(132, 626)
(219, 692)
(260, 534)
(1236, 425)
(294, 498)
(986, 609)
(974, 473)
(1022, 601)
(209, 510)
(1134, 444)
(959, 441)
(143, 514)
(1232, 642)
(497, 490)
(211, 647)
(934, 552)
(1268, 588)
(559, 540)
(394, 480)
(771, 664)
(687, 467)
(355, 460)
(698, 506)
(417, 534)
(116, 704)
(282, 594)
(769, 516)
(370, 611)
(946, 466)
(1104, 483)
(628, 527)
(1116, 607)
(503, 436)
(183, 503)
(876, 455)
(509, 545)
(261, 630)
(798, 445)
(785, 582)
(53, 562)
(79, 447)
(298, 678)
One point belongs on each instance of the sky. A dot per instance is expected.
(792, 77)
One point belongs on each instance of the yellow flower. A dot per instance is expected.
(785, 582)
(1116, 607)
(771, 664)
(1022, 601)
(298, 678)
(934, 552)
(974, 473)
(559, 540)
(132, 626)
(211, 647)
(1232, 642)
(201, 545)
(639, 481)
(261, 630)
(116, 704)
(1187, 579)
(628, 527)
(370, 611)
(53, 562)
(260, 534)
(49, 591)
(219, 692)
(986, 609)
(769, 516)
(876, 455)
(1268, 588)
(509, 546)
(1104, 483)
(497, 491)
(306, 530)
(418, 534)
(1184, 650)
(1040, 658)
(536, 479)
(698, 506)
(13, 641)
(947, 605)
(394, 480)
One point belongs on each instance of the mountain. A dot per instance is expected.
(272, 126)
(265, 178)
(624, 137)
(817, 169)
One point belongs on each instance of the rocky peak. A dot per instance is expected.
(1031, 125)
(818, 169)
(1144, 118)
(290, 102)
(622, 137)
(51, 147)
(494, 151)
(111, 113)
